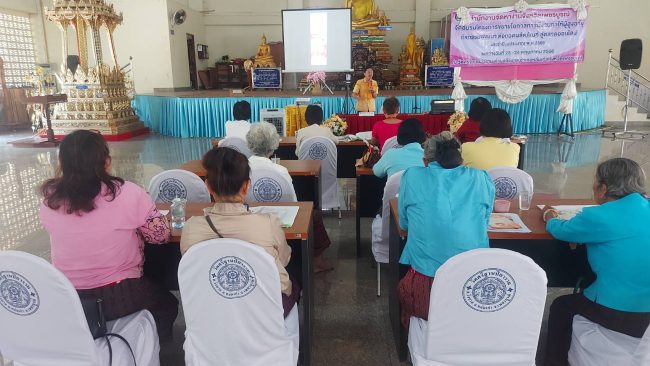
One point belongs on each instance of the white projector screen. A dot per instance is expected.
(317, 40)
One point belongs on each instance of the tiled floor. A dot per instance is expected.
(351, 322)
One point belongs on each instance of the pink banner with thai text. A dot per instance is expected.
(532, 37)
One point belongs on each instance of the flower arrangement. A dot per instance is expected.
(456, 120)
(336, 124)
(316, 77)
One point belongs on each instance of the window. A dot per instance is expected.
(16, 48)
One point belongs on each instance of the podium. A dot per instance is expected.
(45, 101)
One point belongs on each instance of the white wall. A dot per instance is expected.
(178, 42)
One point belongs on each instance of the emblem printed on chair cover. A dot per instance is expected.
(317, 151)
(231, 277)
(171, 188)
(17, 294)
(267, 190)
(505, 188)
(489, 290)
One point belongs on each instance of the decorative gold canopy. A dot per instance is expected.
(98, 97)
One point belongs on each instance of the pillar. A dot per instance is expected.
(423, 19)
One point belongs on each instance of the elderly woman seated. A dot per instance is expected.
(617, 235)
(493, 148)
(228, 182)
(263, 140)
(445, 207)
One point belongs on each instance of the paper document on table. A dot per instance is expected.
(287, 214)
(507, 223)
(567, 212)
(164, 212)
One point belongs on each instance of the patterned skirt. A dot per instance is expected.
(414, 291)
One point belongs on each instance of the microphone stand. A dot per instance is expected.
(415, 106)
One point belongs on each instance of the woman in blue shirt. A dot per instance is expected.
(410, 135)
(445, 207)
(617, 235)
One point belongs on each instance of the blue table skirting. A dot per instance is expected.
(206, 117)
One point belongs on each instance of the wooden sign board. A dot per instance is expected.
(267, 78)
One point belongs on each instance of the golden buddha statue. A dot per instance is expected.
(365, 14)
(439, 57)
(263, 57)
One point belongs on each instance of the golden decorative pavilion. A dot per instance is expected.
(98, 97)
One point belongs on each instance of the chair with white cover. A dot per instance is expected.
(267, 185)
(391, 143)
(233, 307)
(166, 186)
(486, 309)
(508, 182)
(324, 149)
(593, 344)
(43, 322)
(237, 144)
(381, 225)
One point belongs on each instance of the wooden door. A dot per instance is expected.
(191, 54)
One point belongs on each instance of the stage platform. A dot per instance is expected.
(204, 113)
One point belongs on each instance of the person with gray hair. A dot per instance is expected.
(445, 207)
(263, 140)
(617, 234)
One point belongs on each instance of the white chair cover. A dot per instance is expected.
(592, 344)
(508, 182)
(267, 185)
(391, 143)
(380, 239)
(233, 307)
(43, 322)
(486, 309)
(322, 148)
(237, 144)
(166, 186)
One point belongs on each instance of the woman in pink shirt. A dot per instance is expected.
(383, 130)
(97, 225)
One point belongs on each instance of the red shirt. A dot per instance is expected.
(382, 131)
(469, 131)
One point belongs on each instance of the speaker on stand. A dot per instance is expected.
(629, 59)
(347, 102)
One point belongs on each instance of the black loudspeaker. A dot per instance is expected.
(630, 55)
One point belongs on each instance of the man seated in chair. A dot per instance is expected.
(241, 111)
(314, 118)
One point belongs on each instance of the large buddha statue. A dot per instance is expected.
(410, 48)
(263, 57)
(365, 14)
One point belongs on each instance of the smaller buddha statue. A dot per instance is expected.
(263, 57)
(439, 57)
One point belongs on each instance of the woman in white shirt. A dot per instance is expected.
(241, 111)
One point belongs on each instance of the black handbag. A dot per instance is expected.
(94, 311)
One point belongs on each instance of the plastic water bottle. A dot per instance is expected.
(178, 212)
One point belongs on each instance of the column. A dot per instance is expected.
(64, 45)
(112, 45)
(97, 45)
(82, 43)
(423, 19)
